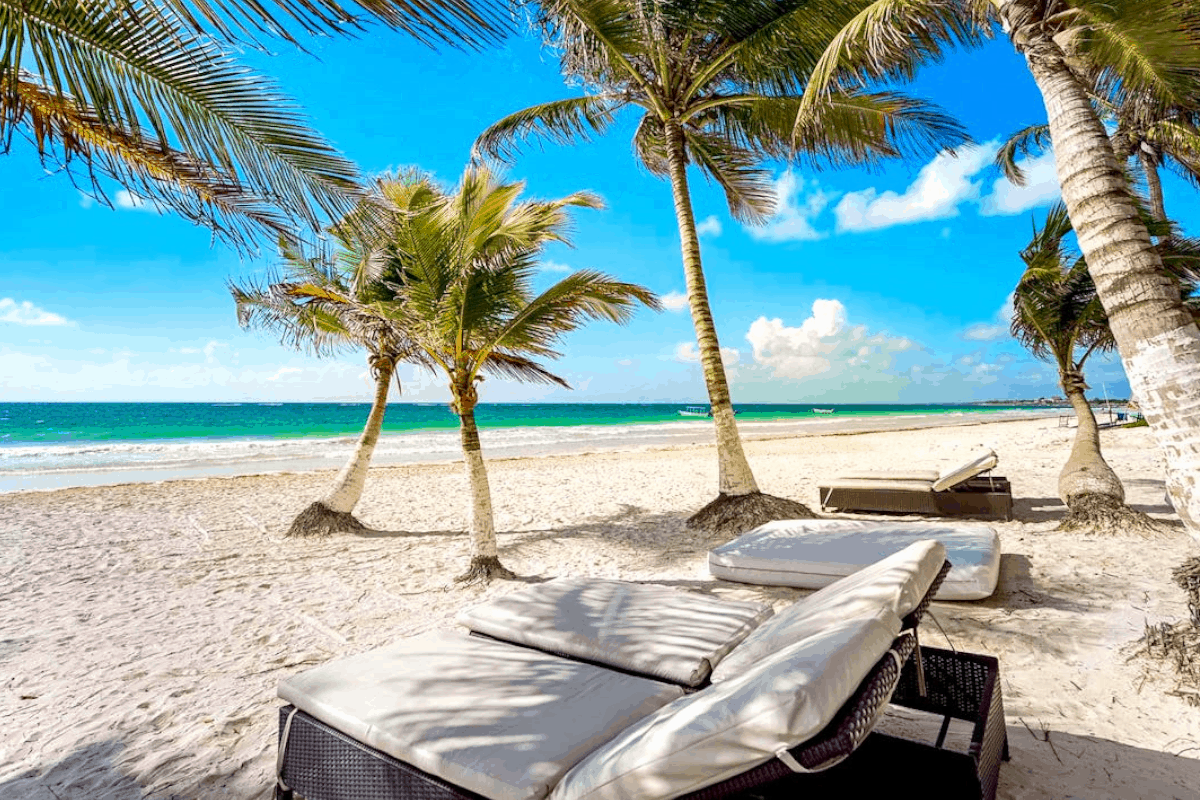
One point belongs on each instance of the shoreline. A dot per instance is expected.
(147, 625)
(624, 437)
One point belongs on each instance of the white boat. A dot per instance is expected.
(822, 410)
(695, 411)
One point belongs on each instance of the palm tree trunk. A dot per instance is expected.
(1158, 341)
(1153, 183)
(734, 474)
(1086, 472)
(335, 511)
(348, 485)
(485, 558)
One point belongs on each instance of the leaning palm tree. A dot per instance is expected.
(1076, 49)
(1058, 317)
(716, 86)
(324, 304)
(462, 273)
(142, 93)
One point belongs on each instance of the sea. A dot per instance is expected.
(56, 445)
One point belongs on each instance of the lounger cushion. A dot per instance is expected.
(730, 727)
(878, 484)
(813, 553)
(929, 475)
(504, 721)
(655, 631)
(952, 477)
(896, 583)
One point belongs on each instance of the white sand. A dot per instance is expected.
(143, 628)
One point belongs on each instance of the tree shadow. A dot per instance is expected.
(88, 772)
(10, 647)
(1038, 509)
(378, 533)
(1017, 588)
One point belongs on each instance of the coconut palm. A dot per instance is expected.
(324, 304)
(462, 273)
(1058, 317)
(141, 93)
(1149, 49)
(717, 86)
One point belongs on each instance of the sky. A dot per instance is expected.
(888, 286)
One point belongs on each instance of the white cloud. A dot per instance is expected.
(129, 201)
(675, 301)
(940, 187)
(554, 266)
(709, 226)
(283, 372)
(26, 313)
(995, 329)
(794, 213)
(803, 351)
(1041, 188)
(689, 353)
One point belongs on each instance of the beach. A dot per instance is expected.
(146, 625)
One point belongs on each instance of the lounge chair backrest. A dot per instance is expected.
(952, 477)
(654, 631)
(724, 730)
(897, 583)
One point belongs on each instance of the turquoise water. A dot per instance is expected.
(81, 423)
(51, 445)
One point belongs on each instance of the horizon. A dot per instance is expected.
(125, 305)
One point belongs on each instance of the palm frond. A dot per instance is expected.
(561, 122)
(1029, 141)
(747, 185)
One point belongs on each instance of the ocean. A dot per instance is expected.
(54, 445)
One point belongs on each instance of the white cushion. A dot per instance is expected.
(730, 727)
(879, 484)
(810, 554)
(930, 475)
(651, 630)
(896, 583)
(953, 477)
(504, 721)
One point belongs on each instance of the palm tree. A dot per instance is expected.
(461, 270)
(1075, 49)
(1058, 317)
(141, 93)
(323, 304)
(716, 85)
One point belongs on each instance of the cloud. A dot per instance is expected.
(940, 187)
(709, 226)
(283, 372)
(554, 266)
(131, 202)
(795, 213)
(689, 353)
(26, 313)
(675, 301)
(1041, 188)
(803, 351)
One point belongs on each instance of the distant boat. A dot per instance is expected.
(822, 410)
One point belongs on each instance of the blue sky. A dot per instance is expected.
(883, 286)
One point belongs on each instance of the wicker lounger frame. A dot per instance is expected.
(318, 762)
(977, 497)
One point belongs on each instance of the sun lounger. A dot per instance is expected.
(966, 490)
(705, 699)
(813, 553)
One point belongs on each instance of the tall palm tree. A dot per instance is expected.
(1058, 317)
(140, 92)
(1076, 49)
(462, 271)
(324, 304)
(717, 87)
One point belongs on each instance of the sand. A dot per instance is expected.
(144, 627)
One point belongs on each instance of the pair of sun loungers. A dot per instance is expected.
(968, 490)
(580, 689)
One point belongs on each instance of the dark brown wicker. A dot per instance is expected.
(979, 497)
(321, 763)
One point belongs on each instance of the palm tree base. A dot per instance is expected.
(1103, 514)
(321, 520)
(484, 569)
(734, 514)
